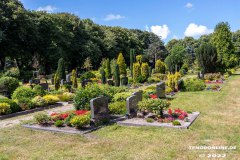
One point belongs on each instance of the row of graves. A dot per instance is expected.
(101, 117)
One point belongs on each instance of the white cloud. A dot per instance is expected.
(196, 30)
(162, 31)
(111, 17)
(189, 5)
(47, 8)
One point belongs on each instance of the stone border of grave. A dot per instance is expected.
(58, 104)
(138, 122)
(72, 130)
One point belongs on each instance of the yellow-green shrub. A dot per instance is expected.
(172, 81)
(5, 108)
(38, 101)
(80, 121)
(51, 99)
(136, 71)
(145, 70)
(66, 96)
(160, 67)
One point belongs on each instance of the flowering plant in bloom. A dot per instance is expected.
(178, 113)
(63, 116)
(153, 96)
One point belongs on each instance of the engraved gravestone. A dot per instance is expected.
(132, 102)
(85, 82)
(160, 90)
(99, 109)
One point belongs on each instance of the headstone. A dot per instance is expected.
(68, 78)
(110, 82)
(124, 81)
(85, 82)
(44, 86)
(132, 107)
(180, 84)
(52, 81)
(160, 90)
(138, 95)
(36, 81)
(30, 82)
(62, 82)
(99, 109)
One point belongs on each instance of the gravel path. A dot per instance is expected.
(17, 120)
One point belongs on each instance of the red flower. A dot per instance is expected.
(153, 96)
(54, 114)
(170, 111)
(181, 117)
(63, 116)
(81, 112)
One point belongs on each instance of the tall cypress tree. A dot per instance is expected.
(61, 69)
(117, 76)
(132, 55)
(108, 69)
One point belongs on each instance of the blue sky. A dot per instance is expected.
(167, 18)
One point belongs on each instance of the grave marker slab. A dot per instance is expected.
(160, 90)
(99, 109)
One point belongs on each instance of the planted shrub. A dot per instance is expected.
(13, 105)
(172, 80)
(84, 95)
(87, 75)
(74, 79)
(25, 103)
(108, 69)
(39, 101)
(9, 84)
(4, 108)
(59, 123)
(103, 76)
(39, 91)
(121, 96)
(118, 107)
(145, 71)
(61, 69)
(50, 99)
(56, 81)
(154, 105)
(80, 121)
(122, 65)
(110, 91)
(66, 96)
(116, 75)
(150, 120)
(176, 123)
(12, 72)
(136, 72)
(193, 84)
(23, 92)
(160, 67)
(42, 119)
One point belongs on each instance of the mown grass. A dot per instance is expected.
(218, 124)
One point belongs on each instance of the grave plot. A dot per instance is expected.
(79, 121)
(154, 112)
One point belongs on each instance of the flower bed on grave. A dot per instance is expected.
(156, 112)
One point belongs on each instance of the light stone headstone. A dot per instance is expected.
(132, 102)
(62, 82)
(160, 90)
(68, 77)
(99, 108)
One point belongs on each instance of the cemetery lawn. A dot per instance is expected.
(218, 125)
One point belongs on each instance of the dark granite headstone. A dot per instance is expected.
(160, 90)
(99, 109)
(85, 82)
(139, 95)
(110, 82)
(44, 86)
